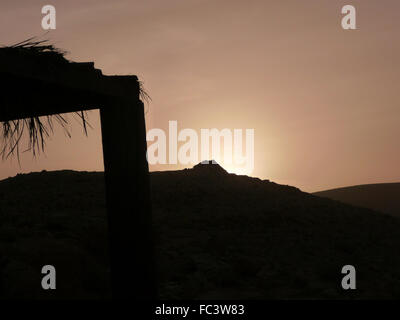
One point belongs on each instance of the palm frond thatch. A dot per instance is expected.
(38, 128)
(40, 49)
(143, 94)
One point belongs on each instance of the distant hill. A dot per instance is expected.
(217, 235)
(384, 197)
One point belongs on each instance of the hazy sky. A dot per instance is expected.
(323, 101)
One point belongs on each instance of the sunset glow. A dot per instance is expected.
(323, 101)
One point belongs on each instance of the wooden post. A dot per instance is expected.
(128, 199)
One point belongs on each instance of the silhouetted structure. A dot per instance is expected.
(39, 81)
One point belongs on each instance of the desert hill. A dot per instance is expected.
(384, 197)
(218, 235)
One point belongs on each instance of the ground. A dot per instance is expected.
(217, 236)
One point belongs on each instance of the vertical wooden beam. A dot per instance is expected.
(128, 200)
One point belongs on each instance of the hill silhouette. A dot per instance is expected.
(384, 197)
(218, 235)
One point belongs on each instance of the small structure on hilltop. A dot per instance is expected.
(37, 81)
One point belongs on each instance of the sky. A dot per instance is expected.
(323, 101)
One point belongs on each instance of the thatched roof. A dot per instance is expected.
(50, 60)
(38, 128)
(38, 49)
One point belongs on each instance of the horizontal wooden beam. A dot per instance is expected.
(31, 87)
(24, 97)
